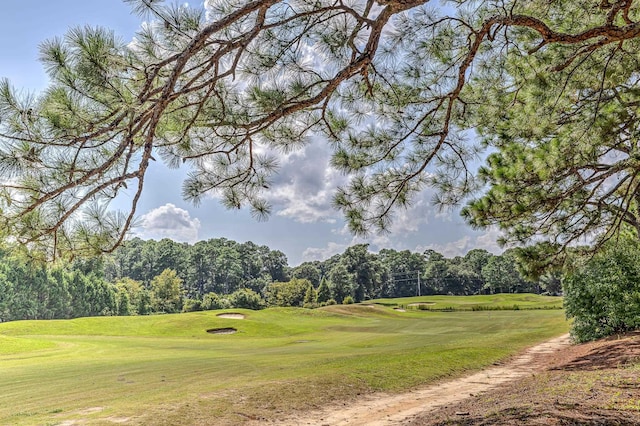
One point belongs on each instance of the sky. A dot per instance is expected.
(303, 224)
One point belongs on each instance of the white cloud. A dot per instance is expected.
(323, 253)
(451, 249)
(304, 186)
(409, 220)
(169, 221)
(460, 247)
(489, 240)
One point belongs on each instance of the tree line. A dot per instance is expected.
(145, 277)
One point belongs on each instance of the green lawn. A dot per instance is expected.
(479, 302)
(168, 370)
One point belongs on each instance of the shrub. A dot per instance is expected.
(290, 293)
(247, 299)
(191, 305)
(348, 300)
(212, 301)
(603, 296)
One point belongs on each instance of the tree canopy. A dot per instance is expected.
(393, 86)
(566, 162)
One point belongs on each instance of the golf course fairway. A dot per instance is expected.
(208, 368)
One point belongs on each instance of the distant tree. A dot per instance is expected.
(501, 275)
(551, 282)
(247, 299)
(171, 255)
(473, 262)
(436, 273)
(200, 269)
(276, 265)
(166, 290)
(212, 301)
(191, 305)
(228, 266)
(403, 268)
(341, 282)
(324, 293)
(308, 271)
(461, 280)
(124, 304)
(310, 297)
(368, 274)
(290, 293)
(129, 290)
(6, 294)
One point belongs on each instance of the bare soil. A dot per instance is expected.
(595, 383)
(554, 383)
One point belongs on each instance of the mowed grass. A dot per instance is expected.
(478, 302)
(167, 370)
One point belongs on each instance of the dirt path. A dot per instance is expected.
(386, 410)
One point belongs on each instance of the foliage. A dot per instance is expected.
(217, 265)
(603, 295)
(225, 87)
(323, 293)
(348, 300)
(563, 120)
(310, 297)
(191, 305)
(290, 293)
(341, 282)
(501, 276)
(245, 299)
(67, 290)
(166, 290)
(309, 271)
(212, 301)
(130, 296)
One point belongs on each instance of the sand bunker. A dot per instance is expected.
(421, 304)
(399, 309)
(231, 315)
(225, 330)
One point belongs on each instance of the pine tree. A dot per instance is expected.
(324, 293)
(224, 87)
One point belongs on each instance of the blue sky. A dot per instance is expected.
(302, 225)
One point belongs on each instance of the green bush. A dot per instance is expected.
(246, 299)
(603, 296)
(348, 300)
(290, 293)
(191, 305)
(212, 301)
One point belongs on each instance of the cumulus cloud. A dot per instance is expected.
(323, 253)
(449, 249)
(169, 221)
(304, 186)
(487, 240)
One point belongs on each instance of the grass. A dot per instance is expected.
(475, 303)
(166, 369)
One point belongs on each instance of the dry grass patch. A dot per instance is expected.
(596, 383)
